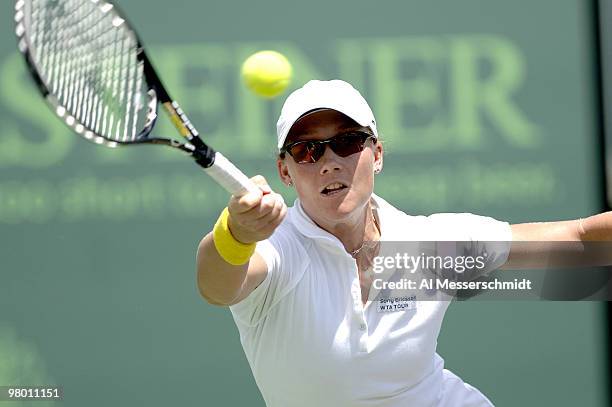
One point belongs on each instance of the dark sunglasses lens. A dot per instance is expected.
(306, 152)
(312, 151)
(348, 145)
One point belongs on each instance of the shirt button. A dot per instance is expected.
(362, 327)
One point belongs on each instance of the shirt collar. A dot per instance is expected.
(307, 227)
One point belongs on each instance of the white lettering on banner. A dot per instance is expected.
(446, 105)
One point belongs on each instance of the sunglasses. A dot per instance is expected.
(311, 151)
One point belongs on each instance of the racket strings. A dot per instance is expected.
(87, 57)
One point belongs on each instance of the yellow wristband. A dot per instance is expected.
(230, 249)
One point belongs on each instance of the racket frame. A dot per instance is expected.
(203, 154)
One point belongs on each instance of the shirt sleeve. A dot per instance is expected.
(476, 236)
(286, 261)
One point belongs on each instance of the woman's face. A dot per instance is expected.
(315, 182)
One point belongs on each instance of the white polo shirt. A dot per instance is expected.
(311, 342)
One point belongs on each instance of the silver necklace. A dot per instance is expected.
(355, 252)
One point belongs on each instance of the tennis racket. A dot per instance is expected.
(90, 66)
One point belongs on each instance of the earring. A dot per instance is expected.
(377, 171)
(290, 184)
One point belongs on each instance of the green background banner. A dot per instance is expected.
(484, 107)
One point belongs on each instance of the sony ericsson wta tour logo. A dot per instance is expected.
(430, 94)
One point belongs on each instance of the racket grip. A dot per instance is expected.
(230, 177)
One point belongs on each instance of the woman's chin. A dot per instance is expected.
(339, 209)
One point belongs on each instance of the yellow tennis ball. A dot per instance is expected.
(267, 73)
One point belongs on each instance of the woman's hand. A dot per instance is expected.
(255, 216)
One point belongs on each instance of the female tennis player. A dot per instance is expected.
(297, 280)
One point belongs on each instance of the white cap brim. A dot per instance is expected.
(320, 95)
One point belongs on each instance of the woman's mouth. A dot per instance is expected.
(333, 189)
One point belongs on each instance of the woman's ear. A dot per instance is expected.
(378, 156)
(283, 171)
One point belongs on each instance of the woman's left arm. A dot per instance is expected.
(524, 254)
